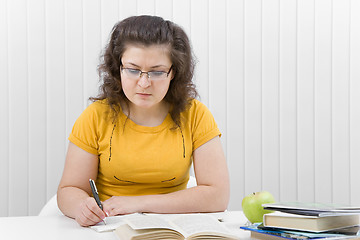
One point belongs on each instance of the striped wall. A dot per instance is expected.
(282, 78)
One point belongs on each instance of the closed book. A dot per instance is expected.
(257, 235)
(313, 208)
(309, 223)
(260, 232)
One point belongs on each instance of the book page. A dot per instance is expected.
(111, 223)
(125, 232)
(142, 221)
(285, 214)
(189, 225)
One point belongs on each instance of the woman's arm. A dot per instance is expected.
(74, 190)
(211, 194)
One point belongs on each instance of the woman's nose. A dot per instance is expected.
(144, 81)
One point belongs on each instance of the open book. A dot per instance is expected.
(183, 226)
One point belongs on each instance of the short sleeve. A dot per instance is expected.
(204, 127)
(84, 133)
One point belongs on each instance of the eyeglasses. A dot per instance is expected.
(135, 74)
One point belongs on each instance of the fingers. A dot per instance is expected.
(115, 206)
(89, 213)
(116, 211)
(110, 207)
(120, 205)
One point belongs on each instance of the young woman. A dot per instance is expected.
(141, 134)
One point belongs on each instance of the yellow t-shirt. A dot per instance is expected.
(140, 160)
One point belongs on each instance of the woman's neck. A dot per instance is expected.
(149, 117)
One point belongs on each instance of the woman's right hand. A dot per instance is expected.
(74, 190)
(89, 213)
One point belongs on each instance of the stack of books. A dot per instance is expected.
(297, 220)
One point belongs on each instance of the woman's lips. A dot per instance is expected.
(143, 94)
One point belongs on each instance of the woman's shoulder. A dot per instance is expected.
(195, 110)
(98, 104)
(196, 105)
(97, 108)
(200, 122)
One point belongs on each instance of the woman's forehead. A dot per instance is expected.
(157, 54)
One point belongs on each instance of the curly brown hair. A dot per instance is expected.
(148, 30)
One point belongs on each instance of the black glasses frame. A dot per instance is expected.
(147, 73)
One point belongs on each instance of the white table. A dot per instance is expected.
(64, 228)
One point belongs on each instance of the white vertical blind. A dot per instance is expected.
(235, 100)
(55, 55)
(252, 95)
(281, 77)
(270, 22)
(287, 100)
(340, 100)
(4, 109)
(305, 99)
(354, 100)
(322, 101)
(199, 29)
(37, 108)
(217, 64)
(18, 141)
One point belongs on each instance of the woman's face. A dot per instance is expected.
(143, 91)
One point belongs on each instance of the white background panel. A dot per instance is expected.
(354, 100)
(55, 92)
(270, 141)
(281, 78)
(36, 105)
(322, 101)
(18, 105)
(252, 95)
(340, 101)
(305, 99)
(288, 97)
(4, 107)
(235, 100)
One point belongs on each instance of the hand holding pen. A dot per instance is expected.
(96, 195)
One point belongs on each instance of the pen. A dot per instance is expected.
(96, 195)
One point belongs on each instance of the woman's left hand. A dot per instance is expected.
(119, 205)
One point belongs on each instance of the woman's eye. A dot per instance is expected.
(156, 73)
(133, 71)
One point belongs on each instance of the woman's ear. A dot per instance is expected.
(172, 74)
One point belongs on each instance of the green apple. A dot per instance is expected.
(252, 205)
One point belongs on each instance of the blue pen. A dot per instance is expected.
(96, 195)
